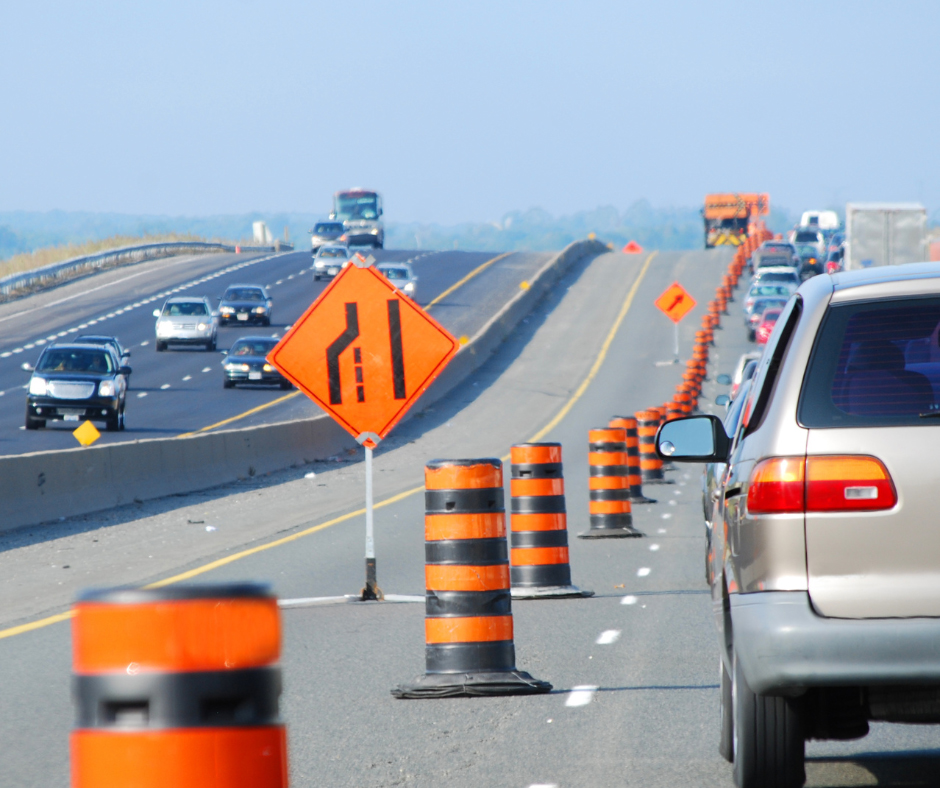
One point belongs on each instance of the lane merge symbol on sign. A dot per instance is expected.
(364, 352)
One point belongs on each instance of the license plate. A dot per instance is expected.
(242, 317)
(333, 271)
(254, 376)
(71, 417)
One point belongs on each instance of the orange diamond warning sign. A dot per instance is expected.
(676, 302)
(364, 351)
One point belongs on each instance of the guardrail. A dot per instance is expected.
(124, 255)
(45, 486)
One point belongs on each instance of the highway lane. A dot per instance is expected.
(645, 642)
(179, 391)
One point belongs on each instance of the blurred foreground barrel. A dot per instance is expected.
(651, 467)
(468, 616)
(634, 478)
(178, 686)
(538, 524)
(611, 515)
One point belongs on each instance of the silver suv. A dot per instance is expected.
(825, 560)
(186, 321)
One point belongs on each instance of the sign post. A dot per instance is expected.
(364, 352)
(675, 303)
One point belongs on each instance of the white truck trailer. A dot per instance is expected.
(884, 233)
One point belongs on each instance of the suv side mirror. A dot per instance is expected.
(27, 367)
(724, 380)
(693, 439)
(156, 313)
(125, 371)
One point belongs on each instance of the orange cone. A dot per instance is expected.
(632, 248)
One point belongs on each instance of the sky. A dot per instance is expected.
(463, 111)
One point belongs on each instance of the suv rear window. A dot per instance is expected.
(875, 364)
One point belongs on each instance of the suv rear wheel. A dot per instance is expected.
(161, 346)
(768, 738)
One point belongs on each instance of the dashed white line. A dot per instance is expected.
(145, 343)
(666, 516)
(6, 354)
(653, 547)
(30, 346)
(17, 350)
(141, 394)
(188, 377)
(207, 369)
(643, 571)
(628, 600)
(608, 637)
(164, 387)
(581, 695)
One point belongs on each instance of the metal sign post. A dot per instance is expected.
(675, 345)
(371, 589)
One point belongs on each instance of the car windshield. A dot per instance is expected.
(807, 237)
(356, 206)
(805, 250)
(761, 305)
(75, 360)
(770, 316)
(186, 309)
(333, 253)
(875, 364)
(770, 260)
(778, 277)
(243, 294)
(253, 347)
(769, 290)
(328, 227)
(396, 273)
(776, 247)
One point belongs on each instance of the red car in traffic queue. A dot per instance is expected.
(766, 325)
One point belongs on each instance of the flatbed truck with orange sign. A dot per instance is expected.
(727, 217)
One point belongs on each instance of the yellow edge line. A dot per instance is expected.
(467, 278)
(241, 415)
(199, 570)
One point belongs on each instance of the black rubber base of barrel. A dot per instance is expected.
(468, 685)
(549, 592)
(658, 481)
(623, 532)
(643, 499)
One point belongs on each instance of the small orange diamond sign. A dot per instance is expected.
(86, 434)
(364, 352)
(676, 302)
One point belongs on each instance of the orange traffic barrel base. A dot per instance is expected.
(469, 647)
(609, 509)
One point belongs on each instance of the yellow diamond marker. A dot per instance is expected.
(524, 285)
(464, 339)
(86, 434)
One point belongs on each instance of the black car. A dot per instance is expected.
(246, 362)
(245, 304)
(112, 342)
(77, 382)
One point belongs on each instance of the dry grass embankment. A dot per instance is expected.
(56, 254)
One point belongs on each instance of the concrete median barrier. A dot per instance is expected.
(46, 486)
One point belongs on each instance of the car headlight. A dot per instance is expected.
(37, 386)
(202, 326)
(374, 231)
(226, 310)
(268, 368)
(237, 367)
(106, 388)
(410, 287)
(260, 310)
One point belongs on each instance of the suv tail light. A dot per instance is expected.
(820, 484)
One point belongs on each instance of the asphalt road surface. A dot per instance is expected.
(635, 668)
(180, 390)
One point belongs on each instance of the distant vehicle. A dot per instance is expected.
(330, 260)
(773, 253)
(727, 216)
(834, 260)
(324, 233)
(400, 275)
(359, 211)
(773, 275)
(884, 234)
(754, 314)
(767, 289)
(836, 240)
(246, 304)
(767, 323)
(120, 351)
(77, 382)
(822, 220)
(247, 362)
(810, 262)
(802, 237)
(186, 321)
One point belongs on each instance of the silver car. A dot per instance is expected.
(324, 233)
(329, 260)
(825, 551)
(186, 321)
(401, 275)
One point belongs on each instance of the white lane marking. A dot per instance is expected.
(110, 314)
(653, 547)
(164, 387)
(141, 394)
(17, 350)
(672, 503)
(628, 600)
(643, 571)
(6, 354)
(190, 377)
(660, 530)
(145, 343)
(30, 346)
(544, 785)
(40, 341)
(607, 637)
(61, 334)
(677, 492)
(291, 276)
(92, 322)
(207, 369)
(279, 282)
(666, 516)
(581, 695)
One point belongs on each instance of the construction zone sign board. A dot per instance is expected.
(736, 206)
(675, 302)
(364, 351)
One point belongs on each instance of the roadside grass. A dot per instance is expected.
(27, 261)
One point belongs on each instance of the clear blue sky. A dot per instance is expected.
(465, 110)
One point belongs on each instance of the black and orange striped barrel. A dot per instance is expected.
(634, 478)
(469, 647)
(651, 467)
(609, 485)
(539, 562)
(178, 686)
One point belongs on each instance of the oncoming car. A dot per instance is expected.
(246, 362)
(329, 260)
(324, 233)
(77, 382)
(400, 275)
(186, 321)
(246, 304)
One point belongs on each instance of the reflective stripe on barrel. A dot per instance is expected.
(468, 617)
(538, 519)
